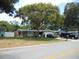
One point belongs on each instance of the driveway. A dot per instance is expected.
(62, 50)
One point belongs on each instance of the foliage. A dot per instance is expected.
(4, 24)
(71, 13)
(58, 24)
(41, 15)
(11, 26)
(7, 26)
(7, 6)
(24, 27)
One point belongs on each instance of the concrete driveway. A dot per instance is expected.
(62, 50)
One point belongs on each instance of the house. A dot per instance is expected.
(30, 33)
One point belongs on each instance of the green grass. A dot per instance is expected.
(11, 42)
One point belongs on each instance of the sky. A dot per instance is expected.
(60, 3)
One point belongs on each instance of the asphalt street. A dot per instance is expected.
(62, 50)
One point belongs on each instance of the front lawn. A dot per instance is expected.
(10, 42)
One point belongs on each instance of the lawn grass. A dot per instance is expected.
(10, 42)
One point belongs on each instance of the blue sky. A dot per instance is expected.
(60, 3)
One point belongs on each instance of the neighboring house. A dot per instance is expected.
(31, 33)
(2, 32)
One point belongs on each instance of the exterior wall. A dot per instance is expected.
(29, 34)
(9, 34)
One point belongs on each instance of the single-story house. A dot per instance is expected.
(31, 33)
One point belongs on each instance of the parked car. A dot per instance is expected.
(64, 35)
(69, 35)
(72, 35)
(48, 34)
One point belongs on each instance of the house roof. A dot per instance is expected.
(35, 30)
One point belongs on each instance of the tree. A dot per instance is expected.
(40, 15)
(7, 6)
(15, 25)
(71, 13)
(4, 24)
(59, 23)
(8, 27)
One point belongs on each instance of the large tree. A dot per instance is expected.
(41, 15)
(8, 26)
(7, 6)
(71, 13)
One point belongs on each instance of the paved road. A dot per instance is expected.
(65, 50)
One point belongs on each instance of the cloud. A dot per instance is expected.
(4, 17)
(21, 3)
(58, 2)
(54, 2)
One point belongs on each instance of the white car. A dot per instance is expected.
(48, 34)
